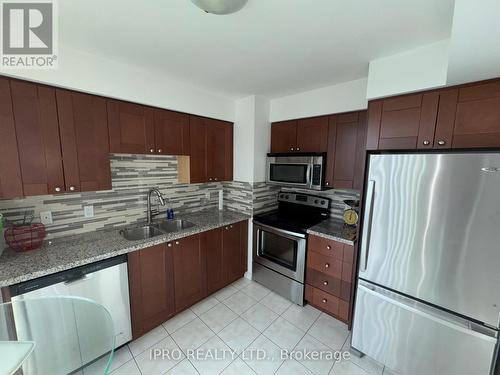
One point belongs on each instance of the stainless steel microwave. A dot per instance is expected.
(302, 171)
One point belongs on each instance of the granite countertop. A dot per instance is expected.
(334, 229)
(69, 252)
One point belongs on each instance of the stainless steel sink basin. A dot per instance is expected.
(140, 233)
(169, 226)
(155, 229)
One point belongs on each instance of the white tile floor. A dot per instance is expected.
(240, 319)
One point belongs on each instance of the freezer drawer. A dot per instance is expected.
(413, 338)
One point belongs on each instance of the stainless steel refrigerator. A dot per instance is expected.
(428, 294)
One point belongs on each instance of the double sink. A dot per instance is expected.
(143, 232)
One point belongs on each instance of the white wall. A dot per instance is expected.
(94, 74)
(414, 70)
(475, 41)
(244, 139)
(344, 97)
(262, 138)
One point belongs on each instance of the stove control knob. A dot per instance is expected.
(281, 195)
(316, 201)
(322, 202)
(286, 196)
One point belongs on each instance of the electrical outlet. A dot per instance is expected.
(88, 211)
(46, 217)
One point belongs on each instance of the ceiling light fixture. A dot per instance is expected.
(220, 6)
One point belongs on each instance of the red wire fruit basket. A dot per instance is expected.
(25, 237)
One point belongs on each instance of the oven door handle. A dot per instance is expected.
(281, 232)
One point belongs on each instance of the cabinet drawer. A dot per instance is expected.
(326, 301)
(326, 247)
(324, 282)
(326, 264)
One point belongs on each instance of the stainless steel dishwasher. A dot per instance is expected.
(105, 282)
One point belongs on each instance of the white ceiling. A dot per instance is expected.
(271, 47)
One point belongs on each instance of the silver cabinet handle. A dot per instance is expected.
(291, 148)
(176, 242)
(367, 223)
(215, 178)
(327, 265)
(169, 244)
(71, 188)
(210, 179)
(328, 247)
(298, 148)
(327, 183)
(325, 283)
(151, 150)
(324, 300)
(159, 150)
(441, 142)
(57, 189)
(426, 143)
(230, 226)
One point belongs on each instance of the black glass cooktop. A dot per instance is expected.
(297, 224)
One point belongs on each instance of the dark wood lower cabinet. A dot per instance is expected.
(151, 285)
(190, 271)
(168, 278)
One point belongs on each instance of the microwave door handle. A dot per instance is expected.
(308, 175)
(367, 225)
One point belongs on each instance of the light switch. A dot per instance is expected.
(88, 211)
(46, 217)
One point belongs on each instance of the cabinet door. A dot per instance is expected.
(83, 129)
(171, 132)
(330, 155)
(284, 136)
(131, 128)
(151, 287)
(198, 146)
(312, 134)
(11, 184)
(345, 150)
(233, 252)
(212, 242)
(402, 122)
(477, 120)
(190, 266)
(360, 156)
(37, 130)
(219, 150)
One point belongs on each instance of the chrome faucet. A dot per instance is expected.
(150, 213)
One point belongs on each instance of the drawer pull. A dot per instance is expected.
(325, 283)
(324, 300)
(327, 265)
(169, 244)
(176, 242)
(151, 150)
(328, 247)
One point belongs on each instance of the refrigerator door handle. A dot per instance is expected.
(365, 239)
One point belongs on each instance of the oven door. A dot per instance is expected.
(289, 171)
(280, 250)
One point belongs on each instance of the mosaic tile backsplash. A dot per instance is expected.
(125, 203)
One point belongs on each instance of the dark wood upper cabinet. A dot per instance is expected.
(211, 150)
(37, 131)
(312, 134)
(346, 150)
(402, 122)
(131, 128)
(198, 147)
(11, 184)
(284, 136)
(171, 132)
(190, 267)
(219, 150)
(151, 285)
(84, 141)
(477, 119)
